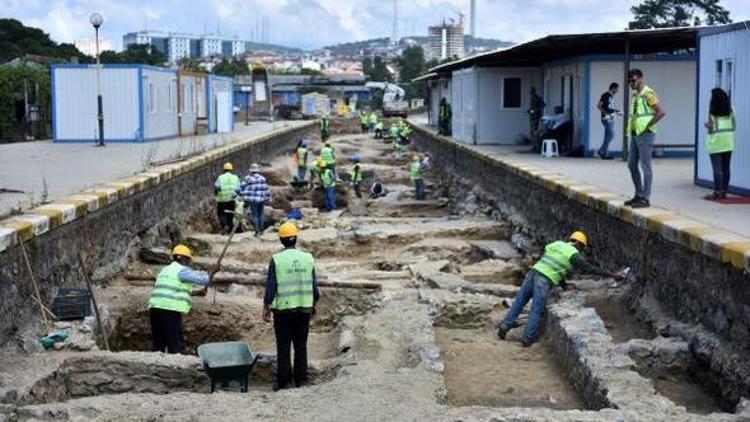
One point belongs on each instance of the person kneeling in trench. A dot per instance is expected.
(171, 298)
(291, 294)
(558, 259)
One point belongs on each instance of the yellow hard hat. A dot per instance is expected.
(182, 250)
(228, 166)
(322, 164)
(328, 144)
(288, 229)
(415, 157)
(580, 237)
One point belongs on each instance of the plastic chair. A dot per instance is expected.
(549, 148)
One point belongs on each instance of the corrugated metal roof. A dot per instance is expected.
(558, 47)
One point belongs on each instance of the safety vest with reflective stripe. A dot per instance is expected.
(415, 171)
(721, 139)
(324, 124)
(301, 154)
(356, 174)
(642, 112)
(169, 292)
(228, 183)
(373, 119)
(556, 261)
(327, 177)
(294, 280)
(327, 155)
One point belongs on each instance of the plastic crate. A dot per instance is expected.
(72, 303)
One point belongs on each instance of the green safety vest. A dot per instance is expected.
(328, 180)
(642, 112)
(363, 119)
(721, 139)
(394, 130)
(294, 279)
(301, 154)
(415, 171)
(169, 292)
(328, 157)
(313, 168)
(379, 125)
(356, 175)
(373, 118)
(324, 125)
(556, 261)
(228, 183)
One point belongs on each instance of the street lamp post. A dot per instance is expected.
(97, 20)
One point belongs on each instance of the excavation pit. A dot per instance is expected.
(481, 370)
(619, 320)
(238, 317)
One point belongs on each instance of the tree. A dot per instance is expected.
(231, 67)
(18, 40)
(412, 64)
(135, 53)
(675, 13)
(189, 64)
(17, 84)
(379, 72)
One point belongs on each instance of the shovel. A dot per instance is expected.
(224, 251)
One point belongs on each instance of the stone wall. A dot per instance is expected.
(695, 278)
(105, 228)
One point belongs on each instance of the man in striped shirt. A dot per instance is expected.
(255, 193)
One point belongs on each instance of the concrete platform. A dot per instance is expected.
(673, 184)
(70, 168)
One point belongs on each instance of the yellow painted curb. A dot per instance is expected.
(736, 253)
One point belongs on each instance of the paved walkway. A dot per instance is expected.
(673, 187)
(69, 168)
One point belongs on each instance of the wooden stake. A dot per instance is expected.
(93, 299)
(33, 281)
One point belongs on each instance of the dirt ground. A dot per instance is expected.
(481, 370)
(410, 338)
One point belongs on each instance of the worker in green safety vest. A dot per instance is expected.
(646, 111)
(415, 173)
(224, 189)
(559, 258)
(301, 158)
(363, 121)
(328, 156)
(291, 295)
(372, 120)
(357, 176)
(721, 126)
(328, 178)
(170, 299)
(325, 128)
(379, 130)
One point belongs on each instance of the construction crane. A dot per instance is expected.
(394, 98)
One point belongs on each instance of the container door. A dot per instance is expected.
(223, 110)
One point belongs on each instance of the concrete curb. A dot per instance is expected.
(40, 220)
(713, 242)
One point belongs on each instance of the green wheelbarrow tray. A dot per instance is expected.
(227, 363)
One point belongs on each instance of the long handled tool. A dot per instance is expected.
(224, 251)
(93, 299)
(37, 296)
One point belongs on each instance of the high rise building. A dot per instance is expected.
(473, 18)
(176, 46)
(87, 46)
(446, 41)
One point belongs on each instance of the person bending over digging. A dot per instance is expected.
(559, 258)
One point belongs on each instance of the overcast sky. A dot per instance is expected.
(316, 23)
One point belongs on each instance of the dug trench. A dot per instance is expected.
(405, 330)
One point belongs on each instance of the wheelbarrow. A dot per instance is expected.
(228, 364)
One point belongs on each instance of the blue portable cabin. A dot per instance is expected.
(139, 103)
(220, 104)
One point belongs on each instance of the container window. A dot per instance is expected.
(511, 94)
(152, 98)
(729, 82)
(719, 73)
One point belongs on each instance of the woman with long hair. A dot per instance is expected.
(721, 126)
